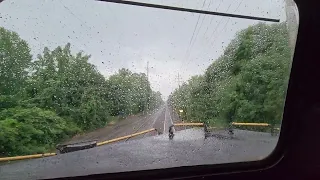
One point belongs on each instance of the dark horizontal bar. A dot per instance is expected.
(190, 10)
(76, 147)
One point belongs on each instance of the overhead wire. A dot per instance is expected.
(224, 27)
(74, 15)
(192, 42)
(186, 56)
(216, 28)
(187, 60)
(212, 18)
(173, 8)
(195, 28)
(199, 26)
(82, 23)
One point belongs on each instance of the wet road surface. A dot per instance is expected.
(187, 148)
(147, 151)
(133, 124)
(164, 121)
(160, 119)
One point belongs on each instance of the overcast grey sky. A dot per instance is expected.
(123, 36)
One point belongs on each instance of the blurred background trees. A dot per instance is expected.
(58, 94)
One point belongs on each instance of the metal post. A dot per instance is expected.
(230, 129)
(171, 132)
(206, 131)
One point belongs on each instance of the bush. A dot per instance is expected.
(28, 131)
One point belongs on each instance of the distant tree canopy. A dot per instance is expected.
(131, 93)
(59, 94)
(246, 84)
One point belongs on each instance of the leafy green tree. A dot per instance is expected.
(130, 93)
(60, 94)
(246, 84)
(70, 86)
(15, 59)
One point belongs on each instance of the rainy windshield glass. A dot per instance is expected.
(98, 87)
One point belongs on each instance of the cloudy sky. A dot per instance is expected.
(123, 36)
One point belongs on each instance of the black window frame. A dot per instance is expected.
(295, 155)
(289, 127)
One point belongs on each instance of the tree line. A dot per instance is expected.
(51, 97)
(247, 83)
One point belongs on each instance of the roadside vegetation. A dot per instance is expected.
(247, 83)
(51, 97)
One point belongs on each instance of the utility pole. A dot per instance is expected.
(148, 70)
(179, 80)
(148, 94)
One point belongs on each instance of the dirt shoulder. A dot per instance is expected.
(108, 131)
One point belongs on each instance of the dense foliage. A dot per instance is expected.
(58, 94)
(131, 93)
(246, 84)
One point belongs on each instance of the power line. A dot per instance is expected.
(199, 26)
(158, 6)
(224, 27)
(194, 30)
(222, 19)
(210, 37)
(82, 23)
(238, 5)
(212, 18)
(218, 23)
(74, 14)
